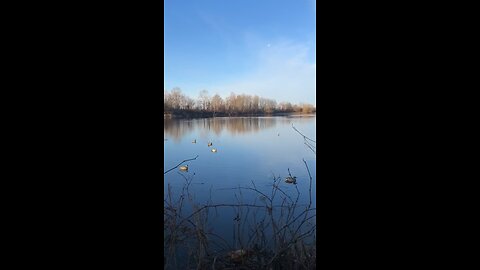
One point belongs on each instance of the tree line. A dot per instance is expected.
(175, 101)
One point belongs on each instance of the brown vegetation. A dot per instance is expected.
(175, 102)
(273, 232)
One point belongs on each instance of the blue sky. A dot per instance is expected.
(263, 47)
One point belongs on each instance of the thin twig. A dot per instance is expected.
(180, 164)
(305, 137)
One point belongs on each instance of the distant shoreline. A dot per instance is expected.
(188, 115)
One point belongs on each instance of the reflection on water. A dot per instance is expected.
(249, 148)
(252, 153)
(176, 128)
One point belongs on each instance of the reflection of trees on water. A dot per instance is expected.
(176, 128)
(240, 125)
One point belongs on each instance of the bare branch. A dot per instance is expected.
(180, 164)
(305, 137)
(308, 142)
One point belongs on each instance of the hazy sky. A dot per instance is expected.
(263, 47)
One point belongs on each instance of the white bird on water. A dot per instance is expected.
(184, 168)
(214, 150)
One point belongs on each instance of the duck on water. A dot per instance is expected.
(291, 180)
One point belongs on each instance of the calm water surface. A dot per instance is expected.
(249, 149)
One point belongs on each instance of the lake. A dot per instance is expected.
(252, 153)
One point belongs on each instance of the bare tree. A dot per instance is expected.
(217, 104)
(204, 100)
(176, 101)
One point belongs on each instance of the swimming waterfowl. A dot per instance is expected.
(194, 141)
(291, 180)
(183, 168)
(238, 255)
(214, 150)
(210, 144)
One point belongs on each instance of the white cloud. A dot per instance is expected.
(286, 71)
